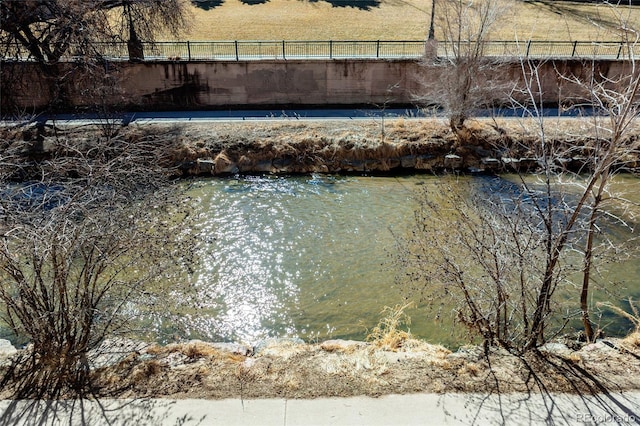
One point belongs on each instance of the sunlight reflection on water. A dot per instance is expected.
(300, 256)
(308, 256)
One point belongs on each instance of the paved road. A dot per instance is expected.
(272, 114)
(242, 115)
(412, 409)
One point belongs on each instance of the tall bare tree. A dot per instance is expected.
(502, 261)
(615, 103)
(463, 29)
(48, 30)
(78, 33)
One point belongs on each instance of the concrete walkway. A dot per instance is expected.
(412, 409)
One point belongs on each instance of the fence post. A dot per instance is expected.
(378, 49)
(528, 46)
(619, 50)
(189, 50)
(330, 49)
(284, 56)
(236, 44)
(573, 52)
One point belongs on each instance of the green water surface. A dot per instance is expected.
(311, 257)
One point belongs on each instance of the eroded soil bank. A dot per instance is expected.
(292, 369)
(392, 146)
(346, 146)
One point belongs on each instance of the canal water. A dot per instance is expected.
(312, 257)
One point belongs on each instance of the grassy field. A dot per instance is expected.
(395, 20)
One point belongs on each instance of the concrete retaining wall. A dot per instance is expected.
(255, 84)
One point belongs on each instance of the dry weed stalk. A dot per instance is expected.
(633, 339)
(388, 334)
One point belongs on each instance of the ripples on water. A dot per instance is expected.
(310, 257)
(306, 257)
(300, 256)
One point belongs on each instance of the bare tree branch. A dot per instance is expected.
(92, 233)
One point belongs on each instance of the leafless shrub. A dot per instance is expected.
(503, 262)
(466, 84)
(93, 234)
(484, 254)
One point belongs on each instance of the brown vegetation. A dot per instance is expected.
(340, 146)
(336, 368)
(289, 146)
(89, 225)
(396, 20)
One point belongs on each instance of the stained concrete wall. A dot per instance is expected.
(223, 84)
(206, 85)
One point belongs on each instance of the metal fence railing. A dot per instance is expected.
(280, 50)
(357, 49)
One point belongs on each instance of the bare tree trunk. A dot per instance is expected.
(134, 44)
(586, 277)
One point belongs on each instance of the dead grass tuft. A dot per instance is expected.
(339, 346)
(574, 357)
(634, 316)
(388, 334)
(155, 349)
(144, 371)
(632, 340)
(199, 350)
(471, 369)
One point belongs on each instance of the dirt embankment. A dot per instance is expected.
(395, 146)
(346, 146)
(288, 368)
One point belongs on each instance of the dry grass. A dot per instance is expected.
(388, 334)
(192, 350)
(340, 145)
(199, 350)
(632, 341)
(398, 20)
(323, 146)
(309, 371)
